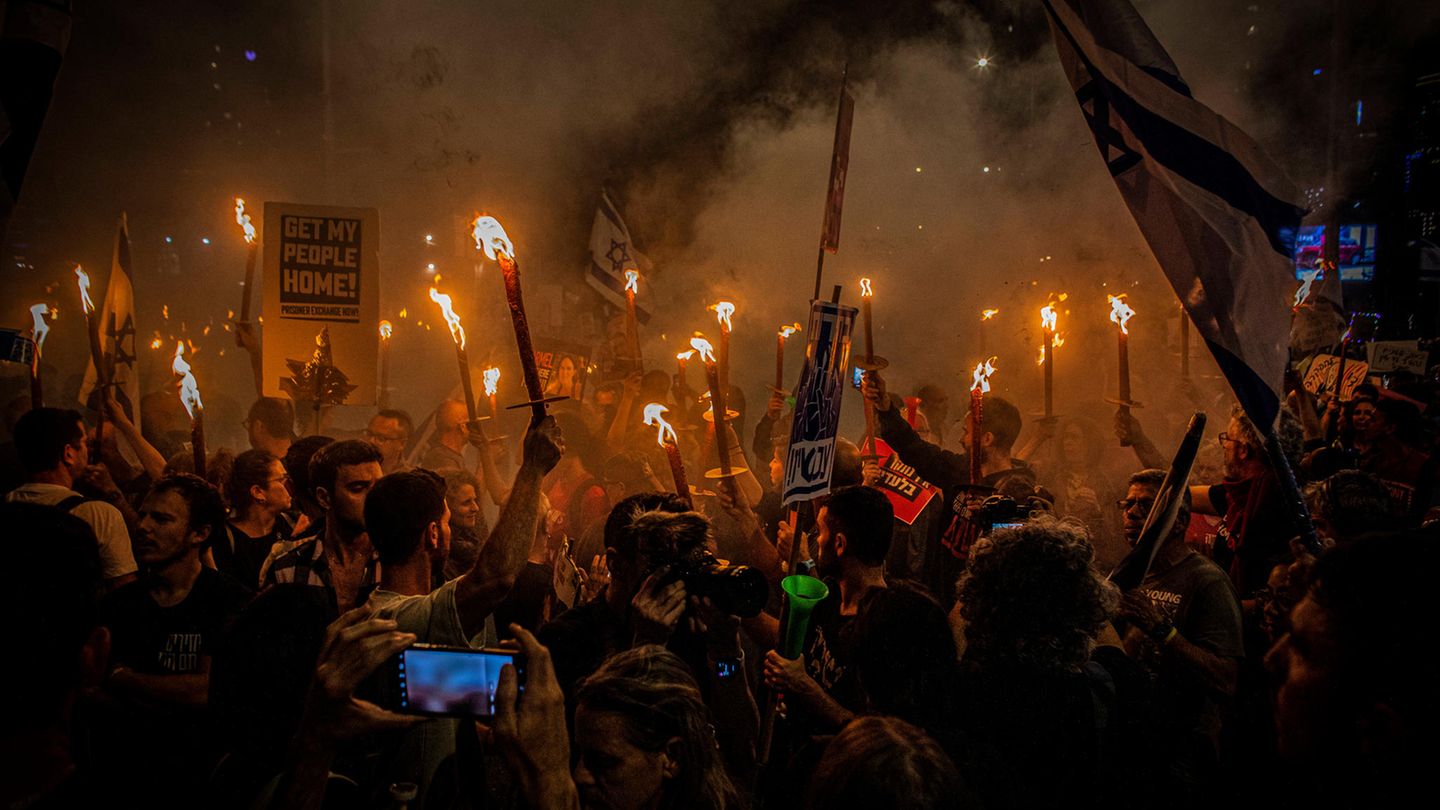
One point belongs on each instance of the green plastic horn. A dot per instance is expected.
(802, 594)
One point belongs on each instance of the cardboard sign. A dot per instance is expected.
(811, 457)
(1397, 355)
(1320, 379)
(15, 347)
(322, 269)
(909, 494)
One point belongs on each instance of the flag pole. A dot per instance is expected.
(1290, 489)
(830, 189)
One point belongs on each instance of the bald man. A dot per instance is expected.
(447, 448)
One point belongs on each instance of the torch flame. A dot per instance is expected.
(386, 330)
(41, 329)
(189, 390)
(787, 331)
(1048, 318)
(632, 281)
(981, 376)
(448, 310)
(707, 352)
(865, 291)
(243, 219)
(83, 279)
(685, 355)
(664, 431)
(491, 376)
(491, 238)
(1120, 312)
(1307, 278)
(723, 311)
(987, 314)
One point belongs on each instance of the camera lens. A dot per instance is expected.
(735, 589)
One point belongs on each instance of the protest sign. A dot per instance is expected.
(1397, 355)
(909, 494)
(15, 347)
(811, 456)
(562, 368)
(1320, 379)
(321, 270)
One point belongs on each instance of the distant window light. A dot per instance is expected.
(1316, 71)
(249, 56)
(1359, 111)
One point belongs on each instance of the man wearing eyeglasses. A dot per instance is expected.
(389, 430)
(1255, 535)
(1183, 625)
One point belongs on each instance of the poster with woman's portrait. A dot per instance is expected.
(562, 368)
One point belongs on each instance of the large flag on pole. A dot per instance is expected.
(117, 331)
(33, 38)
(612, 252)
(1219, 215)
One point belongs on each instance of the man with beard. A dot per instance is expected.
(854, 537)
(341, 559)
(1184, 628)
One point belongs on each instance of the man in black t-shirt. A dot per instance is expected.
(163, 629)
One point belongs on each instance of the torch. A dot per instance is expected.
(871, 362)
(985, 316)
(491, 378)
(723, 312)
(97, 357)
(680, 360)
(243, 220)
(39, 331)
(491, 238)
(457, 333)
(190, 398)
(718, 411)
(632, 326)
(785, 332)
(1048, 323)
(671, 442)
(385, 331)
(979, 387)
(1120, 314)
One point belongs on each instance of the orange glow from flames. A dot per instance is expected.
(457, 332)
(491, 238)
(981, 376)
(1307, 278)
(987, 314)
(243, 219)
(632, 281)
(865, 291)
(685, 355)
(707, 352)
(723, 311)
(787, 331)
(189, 389)
(386, 329)
(663, 429)
(491, 376)
(83, 279)
(1120, 312)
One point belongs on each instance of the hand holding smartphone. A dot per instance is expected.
(438, 681)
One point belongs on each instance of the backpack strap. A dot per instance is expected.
(69, 504)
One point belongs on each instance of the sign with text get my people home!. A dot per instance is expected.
(322, 270)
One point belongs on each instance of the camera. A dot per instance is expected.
(738, 590)
(1001, 512)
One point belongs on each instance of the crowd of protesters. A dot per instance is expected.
(219, 642)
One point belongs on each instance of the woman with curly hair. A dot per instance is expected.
(1034, 713)
(645, 739)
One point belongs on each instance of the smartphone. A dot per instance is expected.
(855, 376)
(440, 681)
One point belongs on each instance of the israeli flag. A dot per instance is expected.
(612, 253)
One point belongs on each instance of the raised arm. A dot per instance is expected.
(503, 556)
(940, 467)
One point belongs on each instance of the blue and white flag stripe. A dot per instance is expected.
(611, 253)
(1218, 214)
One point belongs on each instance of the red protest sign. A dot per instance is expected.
(909, 494)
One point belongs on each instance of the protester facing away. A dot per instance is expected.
(1355, 710)
(55, 451)
(165, 627)
(878, 761)
(57, 652)
(271, 425)
(1183, 624)
(452, 434)
(341, 559)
